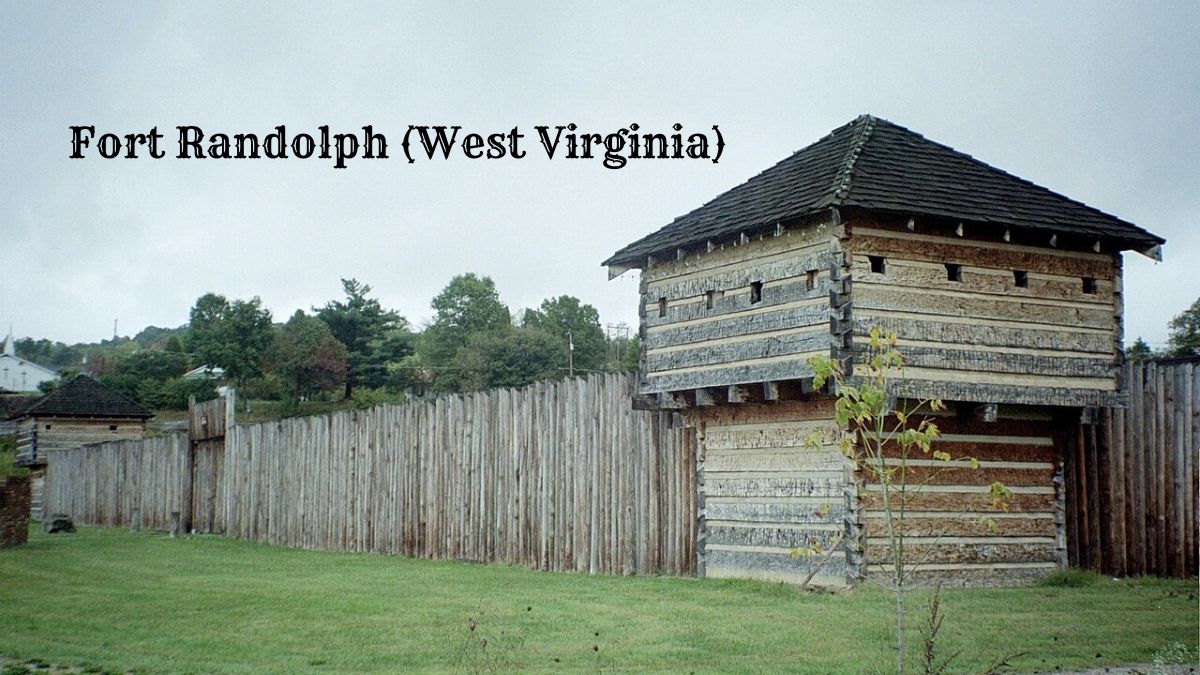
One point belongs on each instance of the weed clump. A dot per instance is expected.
(1072, 578)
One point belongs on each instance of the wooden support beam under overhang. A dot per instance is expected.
(747, 393)
(986, 412)
(615, 271)
(736, 394)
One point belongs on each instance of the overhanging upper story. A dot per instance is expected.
(1001, 291)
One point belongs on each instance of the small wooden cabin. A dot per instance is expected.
(77, 412)
(1007, 301)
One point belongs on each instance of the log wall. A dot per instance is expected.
(766, 493)
(1132, 477)
(743, 312)
(955, 533)
(984, 337)
(40, 435)
(557, 476)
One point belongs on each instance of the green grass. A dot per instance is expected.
(1073, 578)
(118, 601)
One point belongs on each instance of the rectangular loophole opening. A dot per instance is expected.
(755, 292)
(662, 306)
(810, 281)
(1021, 278)
(1089, 285)
(710, 299)
(953, 272)
(878, 265)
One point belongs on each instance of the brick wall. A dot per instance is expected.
(14, 511)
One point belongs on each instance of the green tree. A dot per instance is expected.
(47, 353)
(385, 365)
(571, 322)
(881, 440)
(307, 357)
(361, 324)
(154, 379)
(511, 357)
(1139, 351)
(233, 335)
(155, 337)
(174, 345)
(468, 306)
(622, 349)
(1184, 339)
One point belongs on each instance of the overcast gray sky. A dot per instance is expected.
(1098, 101)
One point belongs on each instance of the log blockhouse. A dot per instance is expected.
(78, 412)
(1007, 301)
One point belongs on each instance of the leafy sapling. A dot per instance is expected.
(884, 436)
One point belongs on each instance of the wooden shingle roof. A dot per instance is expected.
(83, 396)
(872, 163)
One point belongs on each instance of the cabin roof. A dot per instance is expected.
(83, 396)
(872, 163)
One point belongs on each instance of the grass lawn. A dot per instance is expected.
(109, 599)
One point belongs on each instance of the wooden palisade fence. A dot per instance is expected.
(567, 476)
(1132, 477)
(130, 482)
(557, 476)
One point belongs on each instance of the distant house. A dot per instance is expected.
(78, 412)
(214, 373)
(18, 375)
(205, 373)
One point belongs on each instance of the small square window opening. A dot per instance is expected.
(1021, 278)
(710, 299)
(755, 292)
(662, 306)
(1089, 285)
(878, 266)
(953, 272)
(810, 281)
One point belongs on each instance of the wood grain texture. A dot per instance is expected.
(979, 278)
(768, 493)
(727, 254)
(920, 329)
(882, 296)
(559, 475)
(939, 249)
(1131, 492)
(951, 518)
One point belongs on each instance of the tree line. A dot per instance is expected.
(351, 348)
(1183, 340)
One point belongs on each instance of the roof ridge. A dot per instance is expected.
(845, 176)
(1012, 176)
(878, 165)
(69, 387)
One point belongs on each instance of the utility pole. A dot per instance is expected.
(570, 355)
